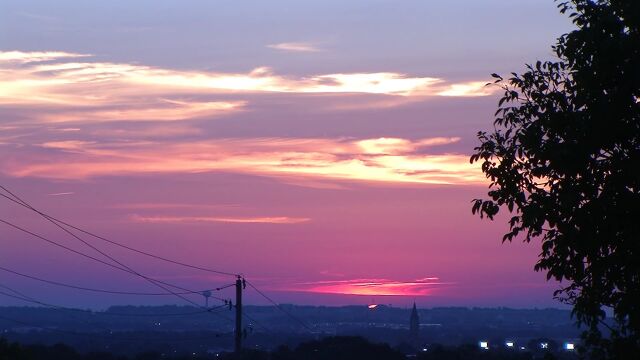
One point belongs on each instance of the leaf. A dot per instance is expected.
(563, 156)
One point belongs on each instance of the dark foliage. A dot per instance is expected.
(339, 348)
(468, 352)
(14, 351)
(330, 348)
(564, 159)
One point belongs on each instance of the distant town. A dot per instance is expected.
(180, 330)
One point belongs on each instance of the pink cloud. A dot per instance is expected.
(159, 110)
(172, 206)
(371, 287)
(67, 145)
(215, 219)
(61, 193)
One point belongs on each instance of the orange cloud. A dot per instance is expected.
(396, 145)
(371, 287)
(51, 88)
(328, 159)
(469, 89)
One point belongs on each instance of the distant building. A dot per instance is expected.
(414, 326)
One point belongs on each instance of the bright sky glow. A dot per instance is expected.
(321, 148)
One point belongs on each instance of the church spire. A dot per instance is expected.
(414, 326)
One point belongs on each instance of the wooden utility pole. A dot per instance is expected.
(238, 329)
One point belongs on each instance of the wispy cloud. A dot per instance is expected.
(64, 89)
(36, 56)
(371, 287)
(38, 17)
(157, 130)
(382, 146)
(161, 110)
(398, 161)
(57, 89)
(61, 193)
(68, 145)
(468, 89)
(154, 206)
(215, 219)
(295, 47)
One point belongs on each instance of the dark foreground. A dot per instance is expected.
(330, 348)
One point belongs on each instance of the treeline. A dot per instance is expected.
(330, 348)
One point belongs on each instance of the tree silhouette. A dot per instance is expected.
(564, 160)
(345, 348)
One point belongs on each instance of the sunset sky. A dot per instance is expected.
(320, 148)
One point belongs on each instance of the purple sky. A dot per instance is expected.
(320, 148)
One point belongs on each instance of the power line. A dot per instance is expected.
(91, 257)
(61, 224)
(29, 299)
(15, 292)
(56, 283)
(127, 337)
(280, 308)
(60, 245)
(22, 203)
(16, 199)
(21, 296)
(148, 279)
(256, 322)
(119, 268)
(49, 329)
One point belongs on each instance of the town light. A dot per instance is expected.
(484, 345)
(569, 346)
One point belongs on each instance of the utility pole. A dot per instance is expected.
(238, 330)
